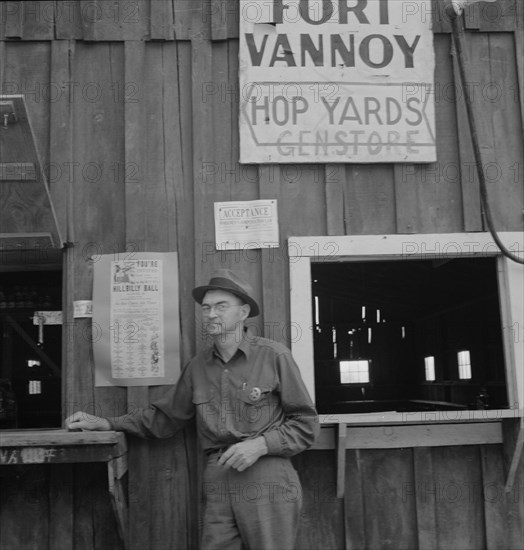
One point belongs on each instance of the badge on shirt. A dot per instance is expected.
(254, 394)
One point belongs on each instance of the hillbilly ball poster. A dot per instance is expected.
(329, 81)
(136, 319)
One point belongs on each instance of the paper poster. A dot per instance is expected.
(327, 81)
(246, 224)
(135, 315)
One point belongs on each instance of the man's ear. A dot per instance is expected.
(246, 309)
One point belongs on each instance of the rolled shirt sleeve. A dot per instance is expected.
(163, 418)
(300, 425)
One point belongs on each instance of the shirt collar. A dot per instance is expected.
(244, 347)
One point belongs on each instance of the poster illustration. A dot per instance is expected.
(326, 81)
(135, 307)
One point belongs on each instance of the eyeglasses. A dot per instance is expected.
(220, 308)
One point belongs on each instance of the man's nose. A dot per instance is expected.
(212, 313)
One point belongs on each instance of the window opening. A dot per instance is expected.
(30, 354)
(354, 372)
(388, 313)
(464, 364)
(429, 363)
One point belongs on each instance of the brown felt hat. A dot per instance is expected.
(225, 279)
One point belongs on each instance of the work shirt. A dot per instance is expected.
(258, 392)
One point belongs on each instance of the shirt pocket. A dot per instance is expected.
(206, 411)
(254, 408)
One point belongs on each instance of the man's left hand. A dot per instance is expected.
(244, 454)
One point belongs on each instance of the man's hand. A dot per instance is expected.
(244, 454)
(83, 421)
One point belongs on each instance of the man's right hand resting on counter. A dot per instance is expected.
(84, 421)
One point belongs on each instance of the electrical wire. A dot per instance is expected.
(486, 209)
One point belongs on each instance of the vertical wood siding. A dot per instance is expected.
(135, 115)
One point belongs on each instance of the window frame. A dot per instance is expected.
(302, 251)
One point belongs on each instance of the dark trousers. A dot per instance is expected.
(257, 509)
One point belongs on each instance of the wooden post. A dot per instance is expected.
(516, 456)
(341, 460)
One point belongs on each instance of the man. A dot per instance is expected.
(252, 412)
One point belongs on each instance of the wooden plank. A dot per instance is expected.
(83, 529)
(423, 489)
(428, 197)
(161, 22)
(401, 436)
(440, 17)
(116, 21)
(216, 11)
(519, 47)
(341, 459)
(59, 437)
(61, 506)
(38, 20)
(494, 17)
(68, 20)
(135, 139)
(471, 16)
(13, 19)
(25, 241)
(335, 200)
(354, 523)
(516, 459)
(504, 177)
(60, 157)
(458, 492)
(94, 522)
(369, 200)
(275, 294)
(136, 136)
(24, 508)
(180, 149)
(389, 512)
(205, 182)
(407, 185)
(60, 146)
(322, 516)
(54, 455)
(118, 496)
(190, 20)
(469, 180)
(496, 510)
(441, 245)
(224, 16)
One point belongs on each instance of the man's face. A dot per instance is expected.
(222, 312)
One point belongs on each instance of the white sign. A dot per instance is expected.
(240, 225)
(329, 81)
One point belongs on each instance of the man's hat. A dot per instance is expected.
(225, 279)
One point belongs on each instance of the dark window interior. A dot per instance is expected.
(396, 313)
(30, 356)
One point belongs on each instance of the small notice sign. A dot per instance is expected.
(246, 224)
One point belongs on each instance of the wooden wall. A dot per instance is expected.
(134, 107)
